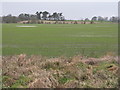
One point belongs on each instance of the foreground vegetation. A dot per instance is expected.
(58, 67)
(92, 40)
(22, 71)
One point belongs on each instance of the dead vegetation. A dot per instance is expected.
(22, 71)
(56, 22)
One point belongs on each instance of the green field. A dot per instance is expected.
(60, 39)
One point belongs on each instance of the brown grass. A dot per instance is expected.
(62, 72)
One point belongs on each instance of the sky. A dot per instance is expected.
(59, 0)
(71, 10)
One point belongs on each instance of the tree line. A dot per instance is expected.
(45, 15)
(100, 18)
(37, 16)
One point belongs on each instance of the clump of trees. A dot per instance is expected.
(10, 19)
(100, 18)
(47, 16)
(94, 19)
(14, 19)
(33, 17)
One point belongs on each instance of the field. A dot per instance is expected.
(60, 56)
(60, 39)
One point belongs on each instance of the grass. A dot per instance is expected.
(74, 74)
(63, 80)
(60, 39)
(104, 66)
(22, 82)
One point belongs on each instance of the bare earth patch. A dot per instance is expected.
(24, 26)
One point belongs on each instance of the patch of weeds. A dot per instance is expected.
(84, 77)
(103, 66)
(4, 78)
(47, 66)
(112, 82)
(108, 79)
(56, 76)
(64, 79)
(82, 66)
(89, 83)
(70, 74)
(54, 66)
(7, 81)
(22, 82)
(114, 62)
(118, 82)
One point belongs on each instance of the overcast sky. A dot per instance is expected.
(71, 10)
(59, 0)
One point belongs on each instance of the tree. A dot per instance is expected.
(86, 19)
(45, 13)
(55, 16)
(39, 15)
(105, 18)
(50, 17)
(23, 17)
(100, 18)
(94, 18)
(114, 19)
(27, 16)
(9, 19)
(61, 17)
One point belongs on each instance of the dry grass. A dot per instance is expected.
(22, 71)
